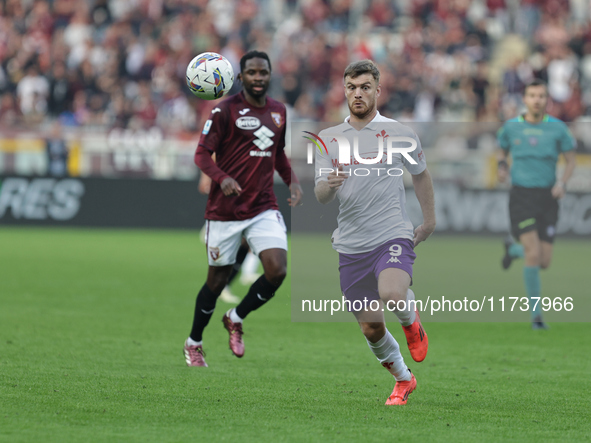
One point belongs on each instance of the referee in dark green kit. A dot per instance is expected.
(534, 140)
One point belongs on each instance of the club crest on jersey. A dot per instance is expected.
(382, 134)
(248, 123)
(214, 253)
(276, 116)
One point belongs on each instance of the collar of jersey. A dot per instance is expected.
(522, 119)
(372, 125)
(262, 108)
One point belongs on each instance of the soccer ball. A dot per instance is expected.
(210, 76)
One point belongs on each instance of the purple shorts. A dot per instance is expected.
(359, 272)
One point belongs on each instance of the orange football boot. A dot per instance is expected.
(416, 339)
(401, 391)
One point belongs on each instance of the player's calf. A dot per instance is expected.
(218, 277)
(259, 293)
(373, 331)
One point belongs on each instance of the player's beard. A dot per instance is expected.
(361, 114)
(257, 94)
(538, 111)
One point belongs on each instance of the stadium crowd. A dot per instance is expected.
(122, 64)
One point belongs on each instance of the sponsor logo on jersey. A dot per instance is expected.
(216, 110)
(263, 141)
(206, 127)
(263, 138)
(244, 111)
(248, 123)
(276, 116)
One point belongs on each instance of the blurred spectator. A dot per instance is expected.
(57, 152)
(562, 73)
(528, 18)
(32, 92)
(60, 90)
(122, 64)
(480, 85)
(9, 113)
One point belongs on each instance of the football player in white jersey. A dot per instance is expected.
(375, 238)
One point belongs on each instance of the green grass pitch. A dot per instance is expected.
(92, 324)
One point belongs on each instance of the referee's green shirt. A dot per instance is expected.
(534, 149)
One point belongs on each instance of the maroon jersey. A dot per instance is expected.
(246, 141)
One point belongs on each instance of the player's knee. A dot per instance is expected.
(373, 331)
(393, 294)
(545, 264)
(275, 273)
(217, 283)
(532, 257)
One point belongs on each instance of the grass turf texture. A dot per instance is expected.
(92, 324)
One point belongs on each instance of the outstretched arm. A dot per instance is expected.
(283, 167)
(424, 191)
(204, 161)
(326, 190)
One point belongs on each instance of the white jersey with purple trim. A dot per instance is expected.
(372, 200)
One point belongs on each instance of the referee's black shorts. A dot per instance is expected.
(533, 209)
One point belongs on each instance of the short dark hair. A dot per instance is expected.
(356, 69)
(253, 54)
(535, 82)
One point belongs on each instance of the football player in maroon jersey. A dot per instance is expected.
(246, 131)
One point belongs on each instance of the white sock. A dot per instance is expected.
(250, 265)
(233, 316)
(388, 353)
(408, 316)
(192, 342)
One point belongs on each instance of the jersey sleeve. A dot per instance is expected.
(503, 139)
(283, 167)
(418, 155)
(215, 128)
(205, 162)
(567, 141)
(322, 161)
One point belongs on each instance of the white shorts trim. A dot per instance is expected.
(265, 231)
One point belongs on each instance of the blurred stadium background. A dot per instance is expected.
(97, 128)
(96, 89)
